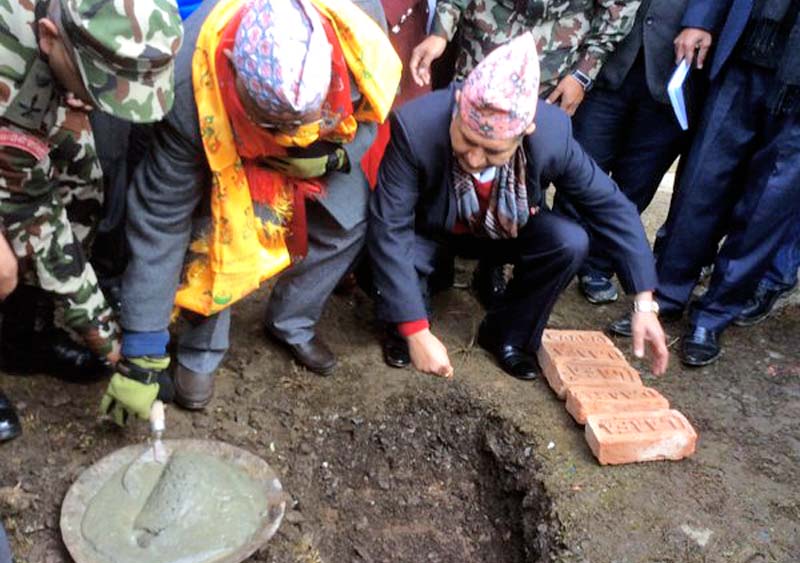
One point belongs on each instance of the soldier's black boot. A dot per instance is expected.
(10, 426)
(30, 343)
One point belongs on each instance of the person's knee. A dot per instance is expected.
(575, 247)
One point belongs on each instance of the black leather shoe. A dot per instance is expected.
(513, 359)
(489, 283)
(622, 326)
(55, 353)
(395, 349)
(760, 306)
(10, 426)
(313, 355)
(598, 289)
(700, 347)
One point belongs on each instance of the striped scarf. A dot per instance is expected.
(508, 209)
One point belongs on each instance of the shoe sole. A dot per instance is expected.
(527, 378)
(623, 334)
(754, 321)
(703, 363)
(192, 405)
(397, 365)
(324, 372)
(595, 301)
(6, 436)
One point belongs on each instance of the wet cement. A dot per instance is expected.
(195, 508)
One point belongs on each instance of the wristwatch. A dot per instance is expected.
(645, 306)
(583, 79)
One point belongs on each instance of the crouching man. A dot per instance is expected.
(466, 171)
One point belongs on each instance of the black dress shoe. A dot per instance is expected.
(622, 326)
(598, 289)
(513, 359)
(395, 349)
(700, 347)
(313, 355)
(760, 306)
(10, 426)
(55, 353)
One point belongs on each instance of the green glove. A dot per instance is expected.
(314, 161)
(135, 386)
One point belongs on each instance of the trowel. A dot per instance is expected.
(156, 453)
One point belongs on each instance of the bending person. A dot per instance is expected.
(472, 181)
(286, 119)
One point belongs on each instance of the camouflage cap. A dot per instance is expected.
(125, 51)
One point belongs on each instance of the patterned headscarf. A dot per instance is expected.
(282, 55)
(498, 100)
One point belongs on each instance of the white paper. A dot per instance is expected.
(675, 91)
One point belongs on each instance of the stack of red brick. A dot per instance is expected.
(625, 421)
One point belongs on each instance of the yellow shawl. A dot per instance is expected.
(241, 250)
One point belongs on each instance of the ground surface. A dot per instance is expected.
(391, 465)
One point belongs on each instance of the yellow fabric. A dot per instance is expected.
(370, 57)
(241, 251)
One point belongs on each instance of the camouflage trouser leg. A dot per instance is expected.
(49, 208)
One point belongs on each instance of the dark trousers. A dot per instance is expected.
(742, 182)
(634, 139)
(546, 255)
(5, 549)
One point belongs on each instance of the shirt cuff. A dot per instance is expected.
(408, 328)
(590, 64)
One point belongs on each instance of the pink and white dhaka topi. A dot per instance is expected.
(498, 99)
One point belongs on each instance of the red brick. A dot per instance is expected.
(585, 400)
(635, 437)
(576, 337)
(563, 373)
(581, 351)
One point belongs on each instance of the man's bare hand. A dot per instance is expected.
(429, 355)
(692, 41)
(8, 268)
(76, 103)
(569, 92)
(647, 331)
(423, 55)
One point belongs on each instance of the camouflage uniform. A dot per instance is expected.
(570, 34)
(50, 180)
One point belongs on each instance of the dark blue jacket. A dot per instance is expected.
(414, 200)
(725, 19)
(657, 24)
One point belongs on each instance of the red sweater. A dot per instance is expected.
(483, 190)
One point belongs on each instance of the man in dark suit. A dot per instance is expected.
(466, 170)
(627, 126)
(172, 184)
(741, 180)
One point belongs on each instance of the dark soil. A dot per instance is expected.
(390, 465)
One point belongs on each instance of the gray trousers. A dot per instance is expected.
(299, 296)
(294, 307)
